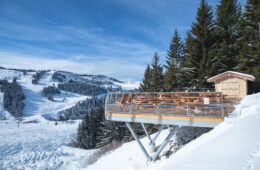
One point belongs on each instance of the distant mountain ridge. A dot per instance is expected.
(86, 75)
(64, 91)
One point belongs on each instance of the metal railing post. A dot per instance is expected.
(187, 110)
(222, 106)
(131, 104)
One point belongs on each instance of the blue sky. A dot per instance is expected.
(116, 38)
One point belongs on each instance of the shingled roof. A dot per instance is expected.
(231, 74)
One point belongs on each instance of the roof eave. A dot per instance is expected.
(227, 73)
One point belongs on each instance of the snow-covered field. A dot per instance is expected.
(233, 144)
(41, 145)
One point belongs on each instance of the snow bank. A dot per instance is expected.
(227, 146)
(233, 144)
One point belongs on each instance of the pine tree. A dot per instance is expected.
(173, 76)
(199, 44)
(145, 86)
(78, 142)
(228, 15)
(111, 132)
(249, 43)
(100, 113)
(83, 139)
(157, 75)
(175, 52)
(190, 61)
(93, 126)
(170, 82)
(100, 121)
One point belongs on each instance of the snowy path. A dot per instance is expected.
(41, 145)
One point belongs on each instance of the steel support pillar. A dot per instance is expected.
(152, 141)
(158, 133)
(138, 141)
(166, 140)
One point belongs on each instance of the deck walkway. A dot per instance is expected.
(201, 109)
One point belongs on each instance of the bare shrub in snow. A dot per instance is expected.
(103, 151)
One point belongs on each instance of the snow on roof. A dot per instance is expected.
(233, 74)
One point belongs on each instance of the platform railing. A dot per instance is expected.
(193, 104)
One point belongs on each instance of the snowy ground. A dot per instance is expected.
(41, 145)
(38, 143)
(233, 144)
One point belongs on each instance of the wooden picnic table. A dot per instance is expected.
(146, 97)
(210, 94)
(176, 98)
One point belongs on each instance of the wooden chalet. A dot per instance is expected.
(231, 83)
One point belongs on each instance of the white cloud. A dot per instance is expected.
(82, 49)
(30, 33)
(118, 68)
(69, 40)
(94, 53)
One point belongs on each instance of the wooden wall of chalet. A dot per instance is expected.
(232, 86)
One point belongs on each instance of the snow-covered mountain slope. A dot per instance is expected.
(233, 144)
(35, 103)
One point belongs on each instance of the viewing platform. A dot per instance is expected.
(176, 109)
(200, 109)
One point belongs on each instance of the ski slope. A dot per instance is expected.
(233, 144)
(35, 103)
(39, 144)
